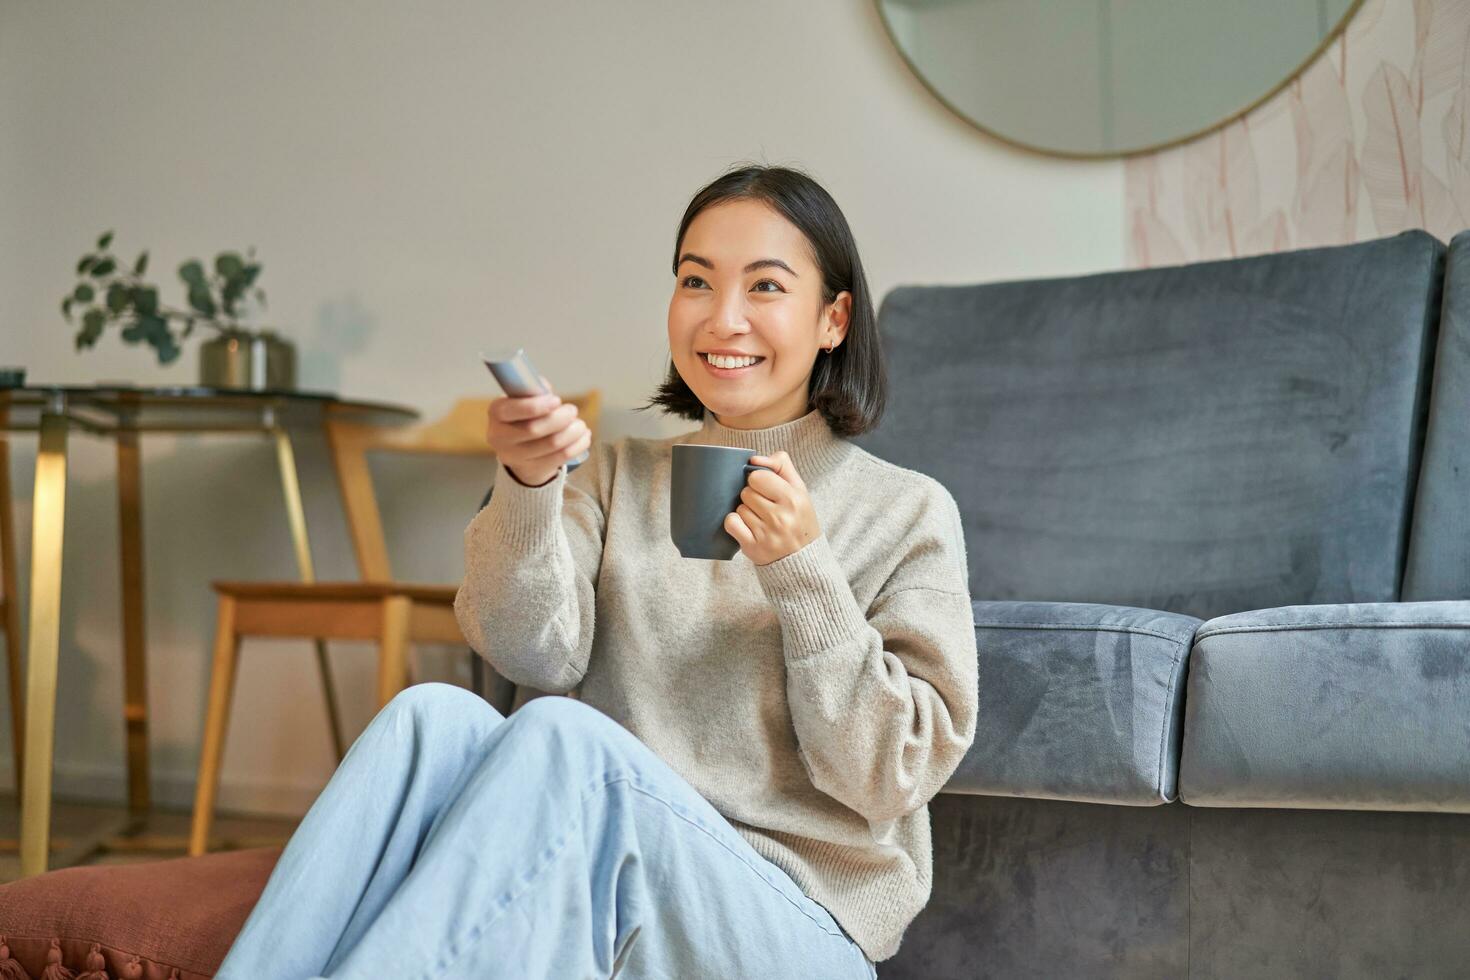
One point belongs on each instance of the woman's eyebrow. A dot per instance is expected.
(757, 264)
(769, 263)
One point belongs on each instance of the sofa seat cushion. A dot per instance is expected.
(1357, 706)
(1078, 701)
(145, 920)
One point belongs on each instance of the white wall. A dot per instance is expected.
(423, 180)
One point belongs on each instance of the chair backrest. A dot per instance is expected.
(460, 432)
(1203, 439)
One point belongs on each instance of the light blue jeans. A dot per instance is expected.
(453, 842)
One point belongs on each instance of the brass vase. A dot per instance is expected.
(256, 361)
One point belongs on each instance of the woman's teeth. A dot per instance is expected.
(722, 361)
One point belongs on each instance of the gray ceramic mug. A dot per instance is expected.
(705, 486)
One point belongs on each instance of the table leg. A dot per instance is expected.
(135, 669)
(49, 518)
(10, 610)
(296, 515)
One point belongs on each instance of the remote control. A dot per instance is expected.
(519, 379)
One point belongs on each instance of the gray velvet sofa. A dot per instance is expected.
(1218, 528)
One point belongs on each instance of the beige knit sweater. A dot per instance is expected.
(817, 702)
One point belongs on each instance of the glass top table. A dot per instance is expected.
(124, 413)
(106, 408)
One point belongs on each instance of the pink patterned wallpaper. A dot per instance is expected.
(1373, 138)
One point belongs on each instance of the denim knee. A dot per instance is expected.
(435, 704)
(571, 719)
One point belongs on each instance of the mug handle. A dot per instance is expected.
(751, 468)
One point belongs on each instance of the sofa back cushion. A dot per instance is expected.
(1201, 439)
(1439, 543)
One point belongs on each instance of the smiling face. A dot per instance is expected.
(748, 317)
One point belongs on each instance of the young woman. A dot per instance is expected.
(739, 789)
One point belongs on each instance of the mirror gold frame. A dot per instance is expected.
(1327, 41)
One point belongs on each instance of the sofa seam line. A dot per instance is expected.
(1083, 627)
(1289, 627)
(1164, 728)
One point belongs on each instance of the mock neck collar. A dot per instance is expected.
(810, 443)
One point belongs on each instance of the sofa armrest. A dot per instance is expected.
(1078, 701)
(1358, 706)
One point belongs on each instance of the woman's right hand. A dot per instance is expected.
(536, 436)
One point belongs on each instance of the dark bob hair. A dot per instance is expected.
(848, 386)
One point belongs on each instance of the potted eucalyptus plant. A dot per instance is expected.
(111, 293)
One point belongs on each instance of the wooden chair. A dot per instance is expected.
(377, 608)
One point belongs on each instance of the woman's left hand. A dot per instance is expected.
(775, 517)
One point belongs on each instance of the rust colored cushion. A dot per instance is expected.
(147, 921)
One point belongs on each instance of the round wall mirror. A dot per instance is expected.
(1091, 78)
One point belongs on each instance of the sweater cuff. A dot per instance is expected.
(526, 518)
(813, 599)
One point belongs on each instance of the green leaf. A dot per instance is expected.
(230, 294)
(87, 337)
(141, 265)
(83, 293)
(104, 241)
(200, 299)
(145, 298)
(192, 273)
(154, 328)
(66, 307)
(92, 323)
(251, 271)
(118, 297)
(133, 332)
(103, 268)
(188, 328)
(229, 264)
(85, 263)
